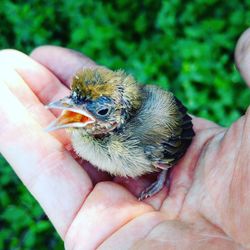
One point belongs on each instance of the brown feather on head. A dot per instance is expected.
(100, 81)
(93, 83)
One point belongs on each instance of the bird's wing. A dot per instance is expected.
(163, 127)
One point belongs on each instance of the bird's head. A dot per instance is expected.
(101, 100)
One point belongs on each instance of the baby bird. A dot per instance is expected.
(122, 127)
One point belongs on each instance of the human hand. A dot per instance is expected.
(207, 204)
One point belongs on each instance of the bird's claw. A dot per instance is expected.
(155, 187)
(151, 190)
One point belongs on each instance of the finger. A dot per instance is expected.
(106, 209)
(62, 62)
(199, 124)
(227, 156)
(46, 168)
(242, 55)
(13, 62)
(39, 79)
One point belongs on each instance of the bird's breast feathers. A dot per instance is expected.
(115, 155)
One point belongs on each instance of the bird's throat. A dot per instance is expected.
(68, 117)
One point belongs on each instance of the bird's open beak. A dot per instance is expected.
(72, 116)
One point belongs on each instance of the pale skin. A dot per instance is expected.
(208, 205)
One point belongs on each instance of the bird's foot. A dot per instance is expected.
(155, 187)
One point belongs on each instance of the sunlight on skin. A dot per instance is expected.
(208, 203)
(97, 211)
(17, 84)
(43, 167)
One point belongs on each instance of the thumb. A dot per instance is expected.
(242, 55)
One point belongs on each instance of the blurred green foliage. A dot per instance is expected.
(185, 47)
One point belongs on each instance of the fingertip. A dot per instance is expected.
(13, 58)
(61, 61)
(242, 45)
(10, 52)
(242, 55)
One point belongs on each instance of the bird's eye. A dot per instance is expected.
(103, 111)
(101, 108)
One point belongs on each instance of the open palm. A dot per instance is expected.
(207, 206)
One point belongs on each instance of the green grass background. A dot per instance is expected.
(185, 47)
